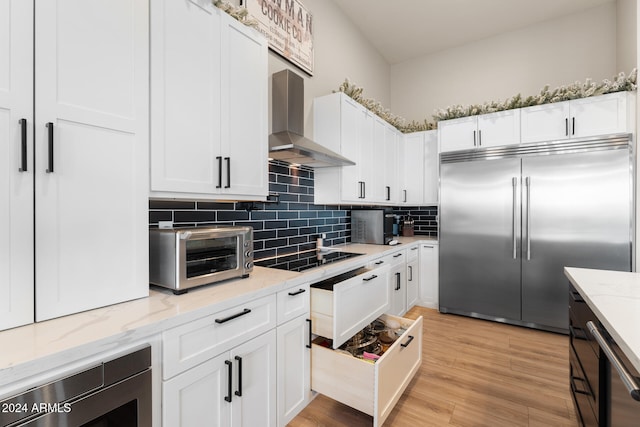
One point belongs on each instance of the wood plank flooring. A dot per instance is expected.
(474, 373)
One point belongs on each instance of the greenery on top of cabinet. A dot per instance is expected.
(620, 83)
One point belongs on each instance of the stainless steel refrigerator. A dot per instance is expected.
(512, 217)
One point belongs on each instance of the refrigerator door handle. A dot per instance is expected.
(528, 225)
(514, 183)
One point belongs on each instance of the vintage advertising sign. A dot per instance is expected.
(289, 28)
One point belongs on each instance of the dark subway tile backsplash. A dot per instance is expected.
(291, 225)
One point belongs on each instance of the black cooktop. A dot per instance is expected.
(304, 260)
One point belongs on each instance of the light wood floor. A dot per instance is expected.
(474, 373)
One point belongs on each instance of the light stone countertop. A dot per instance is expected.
(614, 297)
(36, 348)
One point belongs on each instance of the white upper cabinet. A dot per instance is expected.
(245, 129)
(208, 104)
(431, 167)
(348, 128)
(592, 116)
(16, 163)
(487, 130)
(91, 103)
(344, 126)
(412, 168)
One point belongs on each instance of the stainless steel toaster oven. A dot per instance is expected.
(182, 258)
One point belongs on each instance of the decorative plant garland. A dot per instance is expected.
(620, 83)
(239, 13)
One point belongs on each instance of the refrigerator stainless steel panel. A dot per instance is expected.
(576, 213)
(479, 238)
(574, 203)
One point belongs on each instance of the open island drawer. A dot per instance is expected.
(372, 388)
(344, 304)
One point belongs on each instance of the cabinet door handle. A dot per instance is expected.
(228, 160)
(397, 255)
(627, 379)
(566, 126)
(405, 196)
(573, 125)
(415, 248)
(239, 391)
(366, 279)
(309, 345)
(410, 273)
(234, 316)
(480, 138)
(229, 396)
(298, 292)
(575, 296)
(388, 192)
(360, 190)
(406, 344)
(428, 246)
(364, 190)
(50, 143)
(219, 159)
(23, 145)
(379, 262)
(397, 281)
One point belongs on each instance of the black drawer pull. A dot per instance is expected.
(50, 147)
(219, 159)
(23, 145)
(310, 333)
(575, 296)
(235, 316)
(397, 255)
(406, 344)
(366, 279)
(229, 395)
(239, 391)
(228, 160)
(298, 292)
(379, 262)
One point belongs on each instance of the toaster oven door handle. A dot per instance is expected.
(234, 316)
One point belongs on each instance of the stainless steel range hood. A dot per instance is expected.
(287, 142)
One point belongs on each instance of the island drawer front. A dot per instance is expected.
(293, 302)
(193, 343)
(339, 313)
(372, 388)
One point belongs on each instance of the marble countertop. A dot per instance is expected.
(614, 297)
(35, 348)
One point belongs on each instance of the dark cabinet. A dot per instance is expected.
(584, 362)
(597, 365)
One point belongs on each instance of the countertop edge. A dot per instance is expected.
(50, 345)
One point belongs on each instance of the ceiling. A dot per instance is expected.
(404, 29)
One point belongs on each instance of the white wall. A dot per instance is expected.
(556, 52)
(626, 58)
(340, 51)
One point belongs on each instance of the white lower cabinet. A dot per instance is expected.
(294, 368)
(221, 370)
(398, 289)
(372, 388)
(236, 388)
(413, 276)
(429, 275)
(293, 352)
